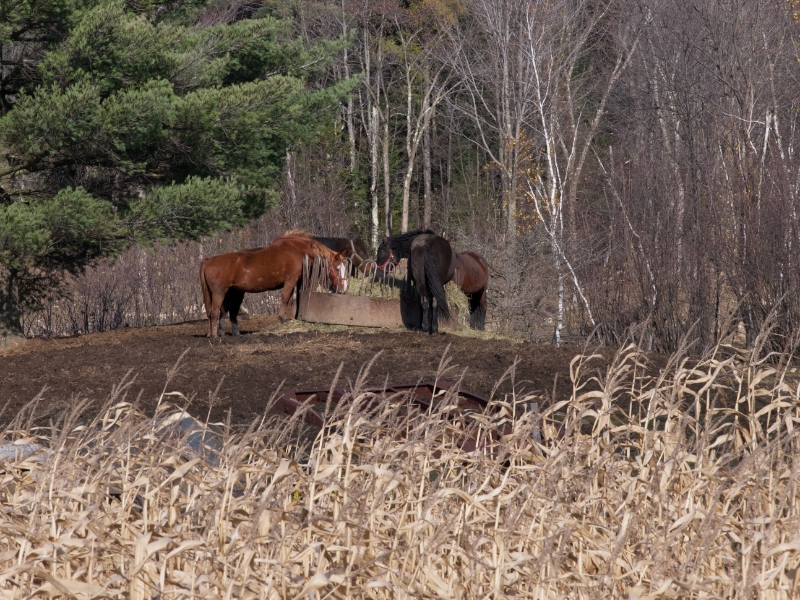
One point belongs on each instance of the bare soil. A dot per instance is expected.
(237, 376)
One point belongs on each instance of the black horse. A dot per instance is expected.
(431, 264)
(353, 249)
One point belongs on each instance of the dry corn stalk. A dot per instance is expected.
(681, 486)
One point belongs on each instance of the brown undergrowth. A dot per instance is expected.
(642, 488)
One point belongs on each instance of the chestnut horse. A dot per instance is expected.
(227, 277)
(472, 276)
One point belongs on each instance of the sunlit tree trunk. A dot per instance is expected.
(426, 167)
(351, 134)
(373, 183)
(411, 151)
(562, 149)
(387, 181)
(373, 101)
(416, 126)
(425, 87)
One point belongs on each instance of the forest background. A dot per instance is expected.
(625, 166)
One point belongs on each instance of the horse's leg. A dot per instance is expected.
(221, 329)
(477, 310)
(482, 311)
(211, 331)
(215, 314)
(209, 313)
(474, 306)
(213, 304)
(288, 288)
(232, 303)
(426, 313)
(434, 314)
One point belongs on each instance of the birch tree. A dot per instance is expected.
(568, 110)
(497, 93)
(426, 83)
(373, 66)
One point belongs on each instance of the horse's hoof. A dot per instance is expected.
(282, 319)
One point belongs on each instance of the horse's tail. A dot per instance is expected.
(435, 286)
(205, 288)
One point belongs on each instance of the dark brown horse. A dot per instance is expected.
(472, 276)
(352, 249)
(431, 264)
(227, 277)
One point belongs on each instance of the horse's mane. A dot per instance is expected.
(298, 233)
(318, 246)
(321, 248)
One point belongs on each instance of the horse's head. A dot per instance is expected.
(386, 255)
(337, 271)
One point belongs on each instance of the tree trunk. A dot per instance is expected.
(410, 154)
(387, 206)
(351, 134)
(292, 212)
(11, 333)
(559, 324)
(406, 195)
(426, 162)
(373, 184)
(373, 113)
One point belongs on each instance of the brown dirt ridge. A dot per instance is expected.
(237, 376)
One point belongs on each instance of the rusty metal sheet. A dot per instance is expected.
(421, 393)
(312, 403)
(309, 402)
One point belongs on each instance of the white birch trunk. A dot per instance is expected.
(373, 189)
(351, 137)
(410, 152)
(387, 181)
(426, 168)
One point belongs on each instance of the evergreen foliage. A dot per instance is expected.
(139, 124)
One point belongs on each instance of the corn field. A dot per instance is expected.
(682, 484)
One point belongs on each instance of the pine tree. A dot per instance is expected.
(139, 124)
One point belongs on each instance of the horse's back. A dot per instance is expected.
(438, 249)
(472, 272)
(217, 273)
(255, 269)
(477, 258)
(473, 261)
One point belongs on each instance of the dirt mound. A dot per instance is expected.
(240, 374)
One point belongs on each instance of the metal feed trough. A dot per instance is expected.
(369, 303)
(312, 404)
